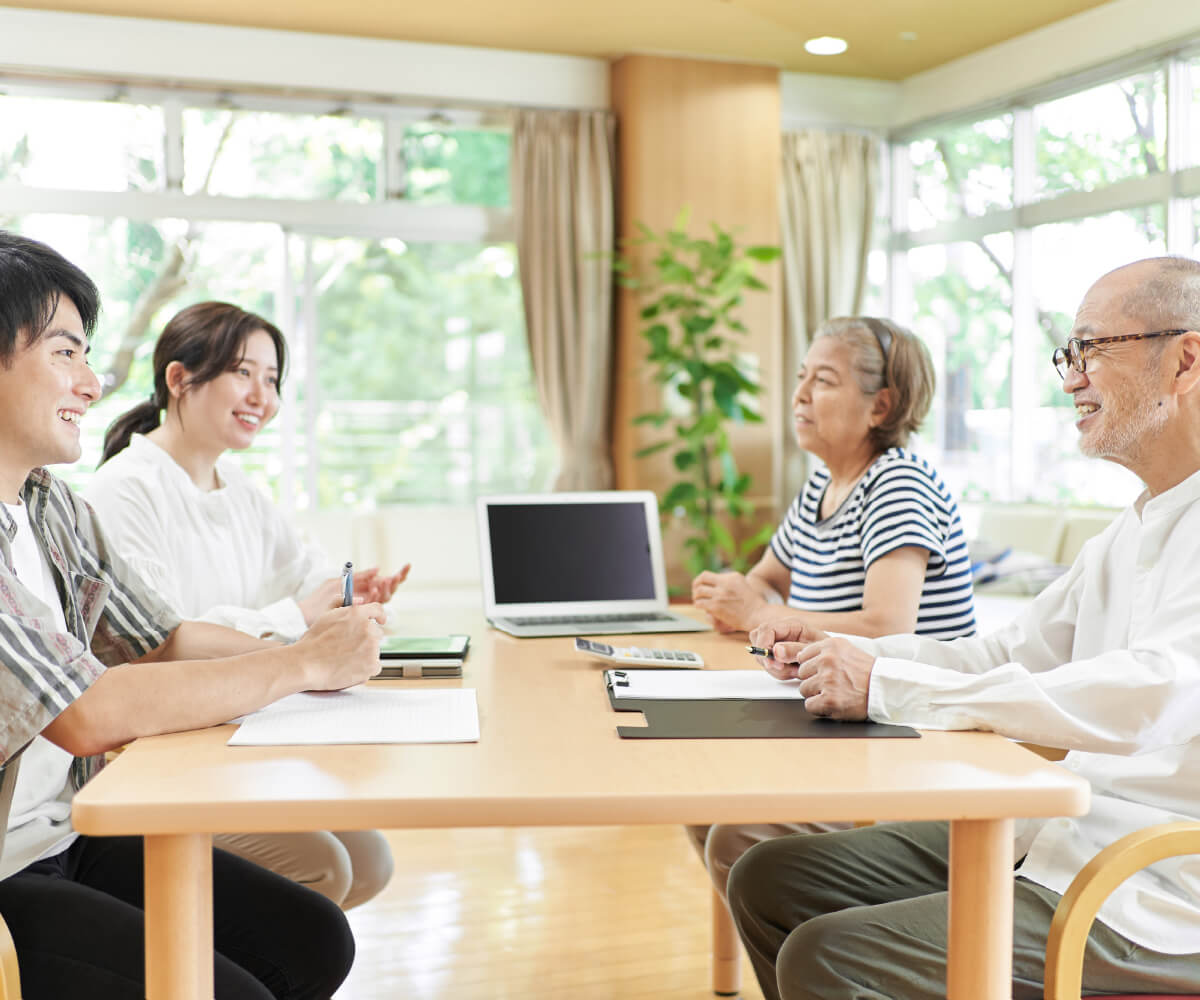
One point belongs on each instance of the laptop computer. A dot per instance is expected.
(575, 564)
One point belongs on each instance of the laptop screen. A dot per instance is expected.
(557, 552)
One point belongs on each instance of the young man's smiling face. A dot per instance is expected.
(45, 390)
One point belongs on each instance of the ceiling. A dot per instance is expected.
(757, 31)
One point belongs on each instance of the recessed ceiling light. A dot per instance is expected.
(908, 36)
(826, 45)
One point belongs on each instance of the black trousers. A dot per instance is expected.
(78, 926)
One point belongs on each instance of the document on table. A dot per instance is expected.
(690, 685)
(363, 715)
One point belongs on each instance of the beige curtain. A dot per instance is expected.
(829, 185)
(563, 163)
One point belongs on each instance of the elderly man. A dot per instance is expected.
(1105, 663)
(90, 658)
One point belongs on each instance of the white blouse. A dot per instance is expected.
(225, 556)
(1106, 662)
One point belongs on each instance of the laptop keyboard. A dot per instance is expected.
(583, 619)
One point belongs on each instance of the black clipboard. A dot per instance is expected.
(741, 718)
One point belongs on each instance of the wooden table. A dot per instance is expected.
(549, 755)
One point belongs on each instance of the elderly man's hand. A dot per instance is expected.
(783, 640)
(835, 678)
(835, 674)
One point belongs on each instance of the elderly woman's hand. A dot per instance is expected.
(728, 599)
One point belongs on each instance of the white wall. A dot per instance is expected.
(810, 100)
(1119, 30)
(144, 49)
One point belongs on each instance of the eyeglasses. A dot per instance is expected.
(1072, 355)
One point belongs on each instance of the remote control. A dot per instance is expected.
(636, 656)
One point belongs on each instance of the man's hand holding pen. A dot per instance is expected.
(834, 674)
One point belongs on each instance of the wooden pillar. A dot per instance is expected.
(704, 135)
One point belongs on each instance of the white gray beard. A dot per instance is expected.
(1126, 443)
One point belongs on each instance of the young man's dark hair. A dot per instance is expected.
(32, 278)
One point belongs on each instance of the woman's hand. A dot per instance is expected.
(327, 595)
(728, 599)
(370, 585)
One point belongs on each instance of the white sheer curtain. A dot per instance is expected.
(563, 163)
(828, 195)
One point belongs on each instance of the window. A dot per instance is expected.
(388, 264)
(1031, 206)
(271, 155)
(962, 297)
(961, 172)
(1067, 258)
(95, 145)
(1094, 138)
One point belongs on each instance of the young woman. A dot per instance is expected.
(216, 548)
(873, 545)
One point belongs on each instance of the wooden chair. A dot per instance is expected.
(1083, 898)
(10, 976)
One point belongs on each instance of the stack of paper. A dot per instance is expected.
(364, 715)
(699, 684)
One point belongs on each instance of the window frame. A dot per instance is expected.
(388, 216)
(1174, 188)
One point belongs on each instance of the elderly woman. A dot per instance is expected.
(873, 545)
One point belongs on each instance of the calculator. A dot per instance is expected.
(637, 656)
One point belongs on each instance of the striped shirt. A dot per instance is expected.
(899, 501)
(111, 617)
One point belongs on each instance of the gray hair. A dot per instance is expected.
(884, 355)
(1169, 297)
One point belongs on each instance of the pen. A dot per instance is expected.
(758, 651)
(347, 584)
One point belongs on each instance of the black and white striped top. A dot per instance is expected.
(900, 501)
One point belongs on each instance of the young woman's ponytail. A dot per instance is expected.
(142, 419)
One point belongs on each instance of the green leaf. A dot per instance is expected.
(685, 460)
(729, 473)
(651, 449)
(725, 391)
(722, 537)
(763, 253)
(698, 324)
(681, 220)
(652, 310)
(657, 419)
(752, 282)
(679, 494)
(659, 337)
(759, 538)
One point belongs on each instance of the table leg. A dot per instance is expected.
(726, 950)
(179, 920)
(979, 959)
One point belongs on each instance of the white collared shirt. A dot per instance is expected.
(225, 556)
(1106, 663)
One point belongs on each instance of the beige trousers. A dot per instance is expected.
(348, 867)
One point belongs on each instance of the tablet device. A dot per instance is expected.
(423, 647)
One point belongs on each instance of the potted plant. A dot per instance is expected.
(690, 289)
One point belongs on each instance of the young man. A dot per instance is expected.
(1106, 663)
(90, 659)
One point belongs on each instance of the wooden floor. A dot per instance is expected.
(589, 913)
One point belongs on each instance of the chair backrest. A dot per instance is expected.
(8, 784)
(10, 976)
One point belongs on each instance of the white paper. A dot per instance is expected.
(363, 715)
(696, 684)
